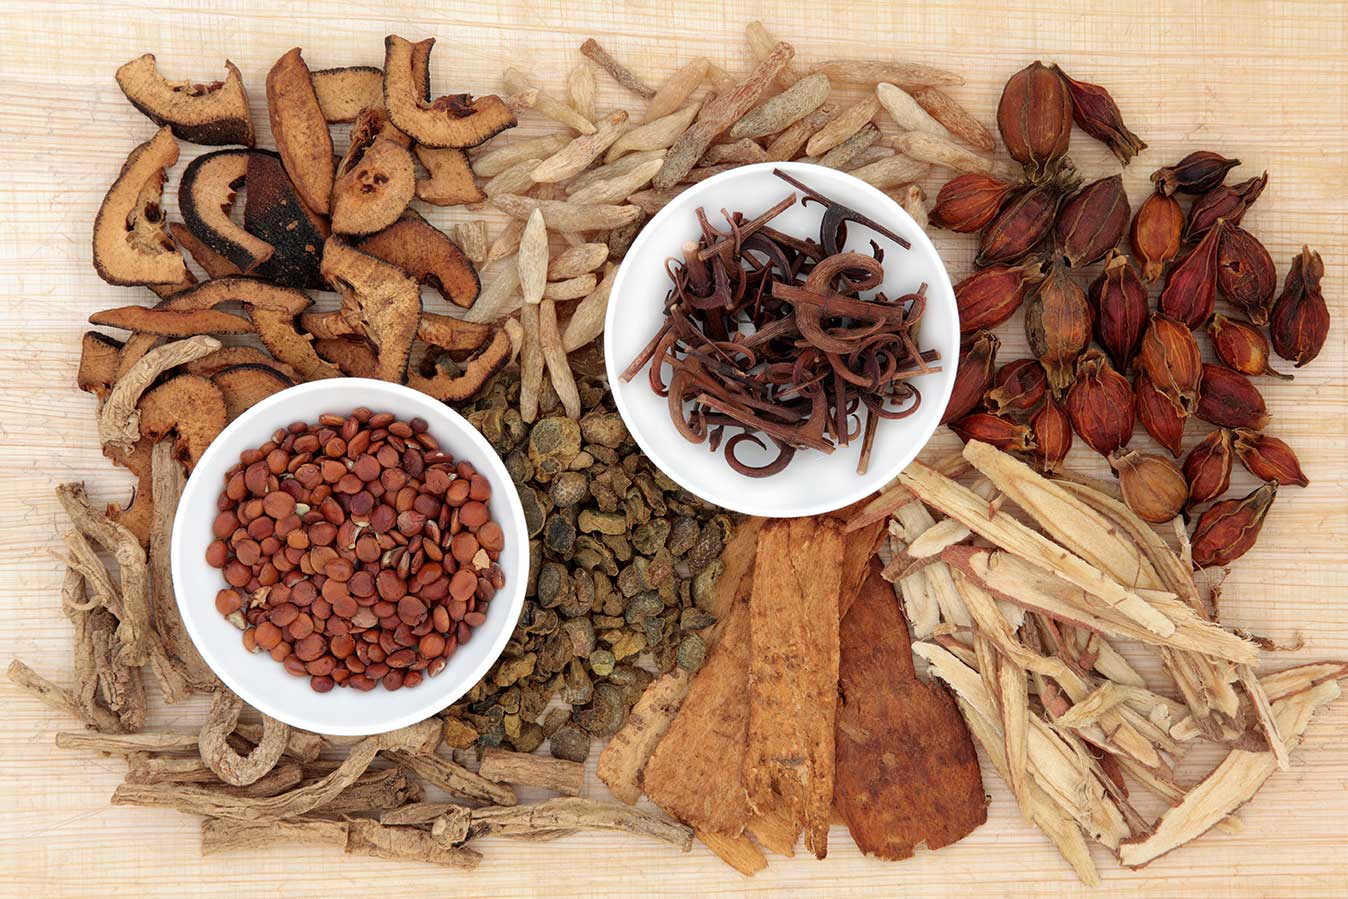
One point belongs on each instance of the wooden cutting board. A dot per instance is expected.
(1262, 81)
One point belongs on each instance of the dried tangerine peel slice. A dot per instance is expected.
(353, 357)
(300, 130)
(188, 405)
(276, 330)
(205, 197)
(211, 113)
(130, 244)
(246, 385)
(388, 301)
(449, 121)
(374, 185)
(428, 255)
(100, 356)
(167, 322)
(449, 180)
(477, 372)
(343, 92)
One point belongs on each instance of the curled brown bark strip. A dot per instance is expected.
(118, 420)
(232, 768)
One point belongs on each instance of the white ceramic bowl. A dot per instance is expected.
(814, 482)
(263, 683)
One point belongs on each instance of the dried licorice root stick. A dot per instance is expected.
(526, 769)
(406, 844)
(559, 370)
(620, 73)
(577, 814)
(95, 713)
(166, 486)
(454, 778)
(216, 752)
(222, 835)
(118, 420)
(52, 695)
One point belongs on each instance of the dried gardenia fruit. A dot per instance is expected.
(1019, 387)
(1058, 326)
(1158, 414)
(1098, 115)
(973, 375)
(1170, 357)
(989, 297)
(1300, 319)
(1226, 202)
(1052, 431)
(1021, 225)
(1197, 173)
(1242, 346)
(1119, 301)
(1269, 459)
(1190, 292)
(1156, 233)
(1035, 119)
(1229, 399)
(1207, 468)
(1092, 222)
(1245, 273)
(1100, 404)
(1152, 486)
(969, 202)
(1003, 433)
(1227, 530)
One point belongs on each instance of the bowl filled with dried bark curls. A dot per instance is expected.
(782, 339)
(350, 556)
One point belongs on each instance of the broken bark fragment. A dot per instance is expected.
(387, 301)
(739, 852)
(453, 778)
(130, 244)
(221, 835)
(211, 113)
(624, 758)
(450, 121)
(527, 770)
(577, 814)
(406, 844)
(206, 195)
(420, 813)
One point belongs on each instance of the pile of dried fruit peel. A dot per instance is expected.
(961, 600)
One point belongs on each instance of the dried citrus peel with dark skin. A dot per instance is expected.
(205, 197)
(300, 131)
(375, 182)
(130, 244)
(342, 93)
(245, 385)
(215, 265)
(428, 255)
(450, 121)
(274, 212)
(276, 330)
(212, 113)
(387, 300)
(99, 355)
(168, 322)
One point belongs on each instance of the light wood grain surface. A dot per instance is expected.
(1261, 81)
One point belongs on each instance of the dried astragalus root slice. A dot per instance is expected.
(454, 120)
(205, 195)
(857, 71)
(656, 134)
(130, 244)
(676, 89)
(428, 255)
(450, 177)
(343, 93)
(545, 104)
(212, 113)
(300, 130)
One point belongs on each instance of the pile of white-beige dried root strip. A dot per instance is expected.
(1015, 596)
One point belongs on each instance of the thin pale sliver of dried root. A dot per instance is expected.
(118, 419)
(533, 258)
(577, 260)
(578, 814)
(472, 239)
(554, 355)
(677, 88)
(495, 161)
(529, 770)
(843, 125)
(546, 104)
(576, 156)
(167, 481)
(587, 319)
(571, 288)
(621, 74)
(580, 90)
(531, 363)
(655, 134)
(956, 119)
(222, 835)
(50, 694)
(420, 813)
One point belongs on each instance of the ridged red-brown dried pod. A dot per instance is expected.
(968, 202)
(1227, 530)
(1171, 358)
(1025, 219)
(973, 376)
(1058, 325)
(1003, 433)
(1034, 116)
(1155, 235)
(1018, 387)
(1190, 292)
(1269, 459)
(1092, 222)
(1152, 486)
(1230, 400)
(1098, 115)
(1245, 273)
(1100, 404)
(1119, 301)
(989, 297)
(1207, 468)
(1052, 430)
(1300, 319)
(1157, 414)
(1197, 173)
(1242, 346)
(1227, 202)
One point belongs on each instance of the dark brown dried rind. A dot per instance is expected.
(450, 121)
(274, 212)
(343, 92)
(375, 179)
(130, 244)
(428, 255)
(100, 356)
(229, 356)
(213, 113)
(276, 330)
(353, 356)
(209, 294)
(387, 300)
(246, 385)
(189, 405)
(136, 515)
(215, 265)
(478, 370)
(299, 129)
(205, 196)
(451, 177)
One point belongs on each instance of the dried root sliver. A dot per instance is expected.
(784, 109)
(858, 71)
(497, 160)
(941, 151)
(580, 90)
(906, 112)
(472, 239)
(676, 89)
(786, 145)
(656, 134)
(761, 43)
(843, 154)
(515, 180)
(531, 362)
(620, 73)
(843, 125)
(118, 420)
(571, 288)
(891, 172)
(562, 216)
(620, 186)
(743, 151)
(587, 320)
(559, 370)
(956, 119)
(914, 202)
(533, 258)
(576, 156)
(577, 260)
(546, 104)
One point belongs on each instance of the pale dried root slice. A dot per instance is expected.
(450, 181)
(739, 852)
(624, 757)
(205, 197)
(565, 217)
(375, 182)
(216, 266)
(450, 121)
(188, 405)
(493, 162)
(428, 255)
(343, 92)
(211, 113)
(406, 844)
(273, 211)
(559, 369)
(387, 300)
(677, 88)
(857, 71)
(576, 156)
(533, 257)
(246, 385)
(577, 814)
(300, 130)
(118, 419)
(545, 104)
(587, 319)
(219, 835)
(472, 238)
(528, 770)
(591, 48)
(130, 243)
(477, 371)
(99, 359)
(783, 110)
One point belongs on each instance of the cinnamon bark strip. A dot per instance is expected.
(793, 673)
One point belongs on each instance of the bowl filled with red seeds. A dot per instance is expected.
(350, 556)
